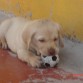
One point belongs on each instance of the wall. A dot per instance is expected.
(69, 13)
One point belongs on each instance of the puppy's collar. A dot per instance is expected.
(34, 52)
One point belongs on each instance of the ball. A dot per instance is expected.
(50, 61)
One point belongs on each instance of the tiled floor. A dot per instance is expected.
(13, 70)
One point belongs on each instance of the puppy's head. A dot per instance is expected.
(44, 37)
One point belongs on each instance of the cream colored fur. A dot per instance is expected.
(19, 34)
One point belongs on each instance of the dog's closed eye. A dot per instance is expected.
(42, 40)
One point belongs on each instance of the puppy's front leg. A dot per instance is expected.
(33, 60)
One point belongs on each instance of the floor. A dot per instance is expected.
(69, 70)
(13, 70)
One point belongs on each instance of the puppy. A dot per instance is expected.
(30, 39)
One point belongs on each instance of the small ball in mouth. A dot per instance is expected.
(50, 61)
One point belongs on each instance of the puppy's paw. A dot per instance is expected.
(3, 44)
(35, 61)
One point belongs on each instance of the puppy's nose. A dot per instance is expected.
(51, 51)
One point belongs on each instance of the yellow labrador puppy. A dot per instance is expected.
(30, 39)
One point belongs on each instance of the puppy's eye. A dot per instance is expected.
(42, 40)
(55, 39)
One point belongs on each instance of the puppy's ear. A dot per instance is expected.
(30, 41)
(60, 37)
(24, 36)
(27, 38)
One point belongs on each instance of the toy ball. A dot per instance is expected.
(50, 61)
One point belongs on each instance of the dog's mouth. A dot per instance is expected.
(34, 51)
(37, 53)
